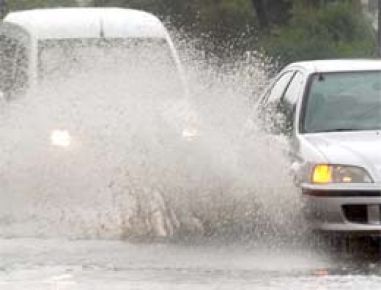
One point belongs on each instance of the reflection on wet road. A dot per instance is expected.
(58, 264)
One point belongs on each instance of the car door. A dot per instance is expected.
(289, 103)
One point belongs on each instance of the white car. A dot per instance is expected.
(330, 112)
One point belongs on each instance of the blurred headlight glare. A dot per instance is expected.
(60, 138)
(190, 134)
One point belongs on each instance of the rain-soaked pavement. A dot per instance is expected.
(73, 264)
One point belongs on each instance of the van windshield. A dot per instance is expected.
(347, 101)
(130, 59)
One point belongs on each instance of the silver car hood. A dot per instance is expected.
(353, 148)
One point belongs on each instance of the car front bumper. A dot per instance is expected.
(354, 208)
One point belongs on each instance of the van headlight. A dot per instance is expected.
(190, 133)
(60, 138)
(327, 173)
(191, 129)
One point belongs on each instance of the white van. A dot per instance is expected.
(89, 104)
(37, 43)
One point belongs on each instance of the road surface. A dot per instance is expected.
(71, 264)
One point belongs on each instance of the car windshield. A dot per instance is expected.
(131, 60)
(348, 101)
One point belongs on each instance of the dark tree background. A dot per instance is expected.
(287, 30)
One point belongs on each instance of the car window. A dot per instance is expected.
(133, 61)
(7, 56)
(344, 101)
(21, 70)
(14, 66)
(293, 91)
(278, 89)
(273, 113)
(287, 106)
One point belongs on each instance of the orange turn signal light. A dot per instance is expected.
(322, 174)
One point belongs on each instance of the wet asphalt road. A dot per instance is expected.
(62, 264)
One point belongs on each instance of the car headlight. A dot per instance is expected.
(190, 133)
(191, 129)
(326, 173)
(60, 138)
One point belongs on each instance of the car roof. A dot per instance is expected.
(88, 23)
(338, 65)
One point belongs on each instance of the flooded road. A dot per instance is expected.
(63, 264)
(64, 212)
(91, 163)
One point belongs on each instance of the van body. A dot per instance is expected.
(26, 35)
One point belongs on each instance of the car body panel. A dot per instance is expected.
(88, 23)
(360, 149)
(337, 65)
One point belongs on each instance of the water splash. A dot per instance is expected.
(127, 175)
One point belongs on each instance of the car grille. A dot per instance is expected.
(356, 213)
(343, 193)
(363, 214)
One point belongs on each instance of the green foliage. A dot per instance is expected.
(296, 30)
(221, 24)
(334, 30)
(30, 4)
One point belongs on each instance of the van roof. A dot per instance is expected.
(88, 23)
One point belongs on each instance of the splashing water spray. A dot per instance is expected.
(88, 157)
